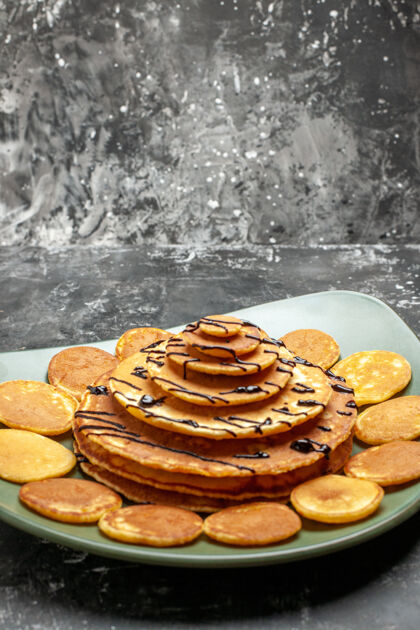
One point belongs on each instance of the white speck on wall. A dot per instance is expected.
(213, 204)
(257, 81)
(251, 155)
(236, 80)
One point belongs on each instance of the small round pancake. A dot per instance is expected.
(375, 375)
(135, 339)
(293, 405)
(246, 340)
(73, 369)
(69, 500)
(154, 525)
(395, 419)
(220, 325)
(36, 406)
(259, 523)
(314, 345)
(336, 499)
(389, 464)
(189, 359)
(27, 456)
(214, 390)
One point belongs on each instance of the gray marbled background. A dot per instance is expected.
(209, 121)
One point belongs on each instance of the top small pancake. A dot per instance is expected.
(73, 369)
(314, 345)
(375, 375)
(135, 339)
(220, 325)
(246, 340)
(215, 391)
(189, 359)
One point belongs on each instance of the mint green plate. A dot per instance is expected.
(357, 322)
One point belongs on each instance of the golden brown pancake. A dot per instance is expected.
(189, 359)
(36, 406)
(336, 499)
(231, 488)
(220, 325)
(69, 500)
(215, 391)
(135, 339)
(110, 426)
(154, 525)
(27, 456)
(375, 375)
(314, 345)
(73, 369)
(389, 464)
(253, 524)
(303, 397)
(395, 419)
(113, 439)
(142, 493)
(246, 340)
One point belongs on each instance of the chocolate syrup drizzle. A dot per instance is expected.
(140, 372)
(119, 380)
(307, 445)
(257, 455)
(246, 389)
(341, 389)
(300, 388)
(180, 388)
(99, 390)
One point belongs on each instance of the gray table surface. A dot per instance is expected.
(80, 295)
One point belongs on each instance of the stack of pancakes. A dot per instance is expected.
(215, 415)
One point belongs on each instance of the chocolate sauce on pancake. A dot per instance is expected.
(307, 445)
(100, 390)
(310, 403)
(258, 455)
(300, 388)
(341, 389)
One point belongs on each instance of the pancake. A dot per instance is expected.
(396, 419)
(375, 375)
(189, 359)
(69, 500)
(246, 340)
(35, 406)
(215, 391)
(336, 499)
(314, 345)
(232, 469)
(73, 369)
(135, 339)
(220, 325)
(304, 396)
(231, 488)
(144, 494)
(27, 456)
(107, 424)
(154, 525)
(389, 464)
(253, 524)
